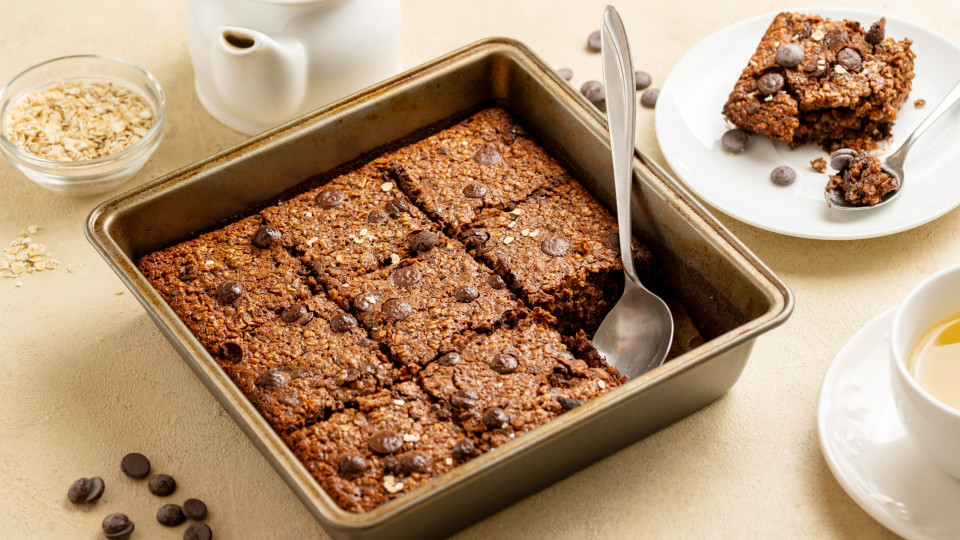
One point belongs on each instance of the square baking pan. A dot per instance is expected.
(728, 292)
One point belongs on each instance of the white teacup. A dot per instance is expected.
(933, 426)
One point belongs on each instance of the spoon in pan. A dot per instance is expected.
(635, 336)
(894, 162)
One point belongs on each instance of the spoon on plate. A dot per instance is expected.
(894, 161)
(635, 336)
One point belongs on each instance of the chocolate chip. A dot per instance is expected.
(450, 359)
(876, 32)
(397, 206)
(836, 38)
(135, 465)
(840, 162)
(414, 462)
(770, 83)
(649, 97)
(475, 191)
(162, 485)
(351, 464)
(496, 282)
(733, 141)
(198, 531)
(594, 41)
(231, 351)
(423, 241)
(474, 238)
(566, 73)
(466, 294)
(504, 364)
(298, 314)
(554, 246)
(464, 449)
(195, 509)
(850, 59)
(385, 442)
(487, 155)
(789, 55)
(117, 526)
(266, 236)
(365, 301)
(79, 490)
(569, 403)
(406, 276)
(228, 292)
(95, 487)
(269, 379)
(329, 198)
(342, 322)
(495, 418)
(397, 309)
(464, 399)
(377, 216)
(594, 92)
(509, 318)
(170, 515)
(783, 175)
(642, 79)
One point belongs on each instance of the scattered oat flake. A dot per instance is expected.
(411, 437)
(394, 258)
(516, 211)
(24, 256)
(601, 384)
(920, 102)
(118, 293)
(508, 239)
(398, 402)
(386, 186)
(448, 461)
(816, 35)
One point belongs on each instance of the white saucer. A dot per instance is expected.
(689, 125)
(868, 450)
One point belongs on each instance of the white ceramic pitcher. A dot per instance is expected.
(258, 63)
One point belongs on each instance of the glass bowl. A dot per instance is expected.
(88, 176)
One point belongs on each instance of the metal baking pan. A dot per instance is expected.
(732, 296)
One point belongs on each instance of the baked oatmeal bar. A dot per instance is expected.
(812, 79)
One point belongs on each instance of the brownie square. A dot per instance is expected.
(560, 250)
(832, 83)
(418, 307)
(391, 443)
(485, 161)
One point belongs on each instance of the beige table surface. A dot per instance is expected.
(86, 377)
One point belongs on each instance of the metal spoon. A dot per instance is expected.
(635, 336)
(895, 160)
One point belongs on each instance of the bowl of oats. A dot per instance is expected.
(81, 125)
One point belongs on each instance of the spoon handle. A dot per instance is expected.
(948, 101)
(621, 117)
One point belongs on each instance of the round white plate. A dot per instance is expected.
(868, 450)
(689, 125)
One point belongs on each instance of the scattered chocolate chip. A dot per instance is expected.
(474, 238)
(413, 462)
(365, 301)
(789, 55)
(642, 79)
(496, 282)
(569, 403)
(475, 191)
(770, 83)
(876, 32)
(464, 399)
(733, 141)
(554, 246)
(464, 449)
(298, 314)
(268, 379)
(195, 509)
(117, 526)
(495, 418)
(487, 155)
(466, 294)
(840, 162)
(266, 236)
(79, 490)
(397, 309)
(170, 515)
(385, 442)
(594, 92)
(231, 351)
(836, 38)
(450, 359)
(342, 322)
(95, 489)
(783, 175)
(198, 531)
(351, 464)
(397, 206)
(504, 363)
(649, 97)
(594, 41)
(850, 59)
(566, 73)
(162, 485)
(509, 318)
(329, 198)
(377, 216)
(135, 465)
(228, 292)
(406, 276)
(423, 241)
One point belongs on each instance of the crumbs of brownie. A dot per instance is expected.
(920, 102)
(819, 165)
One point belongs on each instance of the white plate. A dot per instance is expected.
(868, 450)
(689, 124)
